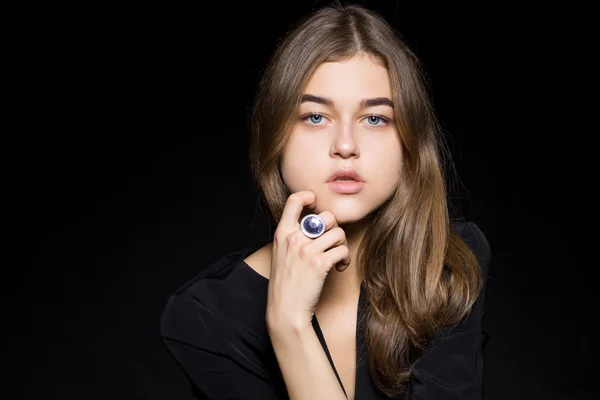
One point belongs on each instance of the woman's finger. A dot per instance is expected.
(293, 208)
(338, 256)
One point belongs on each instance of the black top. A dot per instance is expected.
(214, 327)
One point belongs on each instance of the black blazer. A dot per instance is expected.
(214, 327)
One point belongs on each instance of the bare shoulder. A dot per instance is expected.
(260, 260)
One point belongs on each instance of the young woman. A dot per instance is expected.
(377, 293)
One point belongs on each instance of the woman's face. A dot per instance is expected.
(345, 121)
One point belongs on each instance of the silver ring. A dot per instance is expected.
(312, 226)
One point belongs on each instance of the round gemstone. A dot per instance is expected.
(313, 225)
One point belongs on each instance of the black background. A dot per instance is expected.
(138, 179)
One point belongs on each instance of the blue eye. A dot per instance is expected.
(315, 118)
(373, 119)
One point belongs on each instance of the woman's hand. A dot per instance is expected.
(299, 265)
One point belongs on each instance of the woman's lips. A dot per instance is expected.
(346, 187)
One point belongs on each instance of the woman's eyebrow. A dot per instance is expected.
(376, 101)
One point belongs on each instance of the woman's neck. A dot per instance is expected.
(342, 288)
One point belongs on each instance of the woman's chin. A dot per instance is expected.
(346, 213)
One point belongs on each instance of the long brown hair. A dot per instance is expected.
(419, 274)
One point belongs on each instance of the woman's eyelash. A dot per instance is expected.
(306, 116)
(384, 119)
